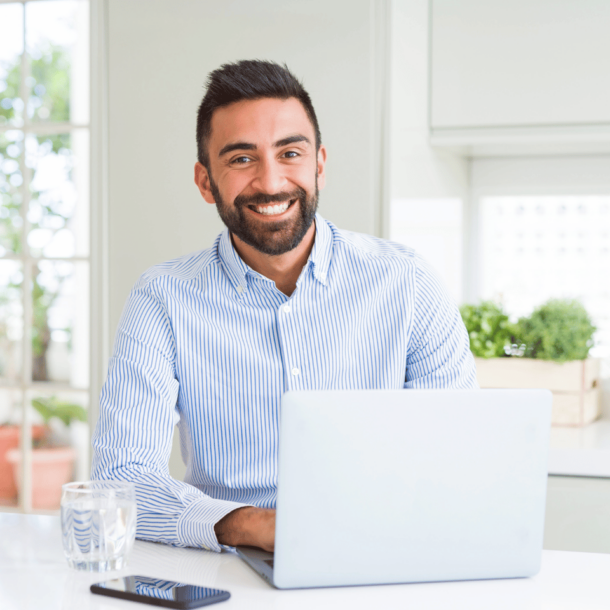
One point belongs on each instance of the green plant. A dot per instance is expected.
(52, 407)
(558, 330)
(488, 329)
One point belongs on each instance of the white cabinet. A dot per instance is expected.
(577, 514)
(519, 64)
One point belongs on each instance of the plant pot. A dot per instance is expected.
(51, 468)
(9, 439)
(575, 384)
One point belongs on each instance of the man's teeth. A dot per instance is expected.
(269, 210)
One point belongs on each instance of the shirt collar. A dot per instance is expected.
(319, 258)
(321, 252)
(234, 266)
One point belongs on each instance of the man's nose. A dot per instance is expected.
(269, 178)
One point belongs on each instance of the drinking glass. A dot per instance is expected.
(98, 524)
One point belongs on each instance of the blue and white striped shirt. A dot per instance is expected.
(210, 344)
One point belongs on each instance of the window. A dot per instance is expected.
(44, 246)
(534, 248)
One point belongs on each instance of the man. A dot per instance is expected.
(283, 300)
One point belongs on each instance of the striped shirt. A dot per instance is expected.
(209, 344)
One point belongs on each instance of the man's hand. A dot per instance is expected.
(248, 526)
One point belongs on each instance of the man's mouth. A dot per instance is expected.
(272, 209)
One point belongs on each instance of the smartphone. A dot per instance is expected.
(165, 593)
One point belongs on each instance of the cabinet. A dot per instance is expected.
(577, 514)
(520, 64)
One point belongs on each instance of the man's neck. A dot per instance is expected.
(283, 269)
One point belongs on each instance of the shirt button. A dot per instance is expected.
(286, 308)
(240, 289)
(295, 371)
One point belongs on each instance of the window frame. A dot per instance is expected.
(559, 175)
(24, 383)
(514, 180)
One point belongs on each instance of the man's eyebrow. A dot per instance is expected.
(236, 146)
(249, 146)
(291, 140)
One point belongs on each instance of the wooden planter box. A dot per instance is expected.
(575, 385)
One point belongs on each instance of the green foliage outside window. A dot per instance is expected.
(49, 100)
(50, 93)
(49, 85)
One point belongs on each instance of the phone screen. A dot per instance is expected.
(158, 592)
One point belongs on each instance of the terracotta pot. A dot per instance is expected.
(9, 439)
(51, 468)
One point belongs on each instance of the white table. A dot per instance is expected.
(35, 576)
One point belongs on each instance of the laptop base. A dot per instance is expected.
(260, 561)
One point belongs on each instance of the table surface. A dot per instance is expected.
(34, 575)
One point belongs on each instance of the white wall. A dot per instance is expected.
(151, 60)
(159, 53)
(416, 169)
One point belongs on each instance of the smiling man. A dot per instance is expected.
(267, 157)
(283, 300)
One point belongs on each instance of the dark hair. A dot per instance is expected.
(248, 80)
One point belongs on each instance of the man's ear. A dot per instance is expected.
(321, 164)
(202, 180)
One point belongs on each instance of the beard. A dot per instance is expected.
(272, 238)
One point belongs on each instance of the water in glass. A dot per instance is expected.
(98, 521)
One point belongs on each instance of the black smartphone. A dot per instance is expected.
(165, 593)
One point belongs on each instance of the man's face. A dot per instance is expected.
(264, 172)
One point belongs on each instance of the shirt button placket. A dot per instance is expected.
(295, 371)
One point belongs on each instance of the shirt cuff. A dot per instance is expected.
(195, 526)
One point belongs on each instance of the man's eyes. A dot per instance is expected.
(243, 160)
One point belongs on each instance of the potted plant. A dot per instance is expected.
(52, 461)
(10, 433)
(9, 439)
(488, 329)
(548, 349)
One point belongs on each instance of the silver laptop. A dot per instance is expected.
(398, 486)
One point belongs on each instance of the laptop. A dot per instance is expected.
(402, 486)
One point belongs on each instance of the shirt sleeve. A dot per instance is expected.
(439, 353)
(133, 437)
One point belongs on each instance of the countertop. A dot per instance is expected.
(34, 575)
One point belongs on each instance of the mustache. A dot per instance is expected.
(261, 198)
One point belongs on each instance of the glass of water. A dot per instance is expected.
(98, 524)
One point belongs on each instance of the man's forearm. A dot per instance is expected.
(248, 526)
